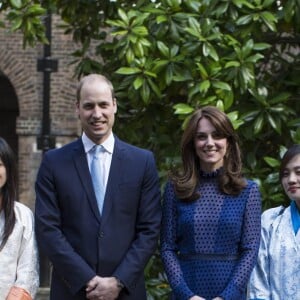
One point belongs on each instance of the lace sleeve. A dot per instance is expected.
(169, 246)
(250, 239)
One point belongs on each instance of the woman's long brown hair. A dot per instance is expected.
(9, 190)
(231, 180)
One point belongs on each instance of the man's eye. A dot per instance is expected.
(88, 106)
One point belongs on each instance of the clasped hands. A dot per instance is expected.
(102, 288)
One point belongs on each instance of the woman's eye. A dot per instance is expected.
(218, 136)
(201, 137)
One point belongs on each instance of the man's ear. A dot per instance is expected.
(115, 105)
(77, 108)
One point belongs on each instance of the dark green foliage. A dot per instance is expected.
(168, 57)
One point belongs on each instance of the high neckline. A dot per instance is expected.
(211, 174)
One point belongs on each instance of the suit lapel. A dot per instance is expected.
(80, 161)
(116, 170)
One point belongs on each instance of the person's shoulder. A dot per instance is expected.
(23, 212)
(271, 214)
(251, 186)
(65, 148)
(24, 219)
(251, 183)
(131, 147)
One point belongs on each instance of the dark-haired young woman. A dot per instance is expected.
(19, 278)
(211, 214)
(277, 273)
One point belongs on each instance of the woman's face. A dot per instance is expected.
(3, 177)
(210, 146)
(291, 179)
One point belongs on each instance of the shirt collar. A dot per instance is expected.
(295, 215)
(108, 144)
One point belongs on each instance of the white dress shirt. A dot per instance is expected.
(105, 156)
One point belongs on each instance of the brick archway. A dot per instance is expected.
(9, 111)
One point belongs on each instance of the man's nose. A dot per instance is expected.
(97, 113)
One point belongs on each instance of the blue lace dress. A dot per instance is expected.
(209, 246)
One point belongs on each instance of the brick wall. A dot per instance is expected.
(19, 66)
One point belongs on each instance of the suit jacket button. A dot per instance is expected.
(101, 234)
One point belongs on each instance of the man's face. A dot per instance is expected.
(96, 110)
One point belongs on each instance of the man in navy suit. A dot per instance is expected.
(97, 253)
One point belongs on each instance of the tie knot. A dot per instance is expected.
(98, 149)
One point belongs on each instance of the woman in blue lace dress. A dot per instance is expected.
(211, 214)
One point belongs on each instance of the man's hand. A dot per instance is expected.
(196, 298)
(102, 288)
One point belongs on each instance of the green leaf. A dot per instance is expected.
(275, 125)
(161, 19)
(145, 93)
(221, 85)
(16, 24)
(272, 162)
(16, 3)
(209, 50)
(204, 86)
(138, 82)
(269, 20)
(202, 70)
(244, 20)
(261, 46)
(282, 97)
(250, 115)
(228, 99)
(233, 115)
(35, 10)
(258, 124)
(154, 88)
(128, 71)
(140, 30)
(247, 48)
(123, 16)
(296, 136)
(182, 109)
(129, 56)
(255, 58)
(295, 122)
(163, 49)
(232, 64)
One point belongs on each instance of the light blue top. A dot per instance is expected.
(19, 257)
(276, 275)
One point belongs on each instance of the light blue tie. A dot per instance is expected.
(97, 174)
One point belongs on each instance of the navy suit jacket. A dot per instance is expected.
(78, 241)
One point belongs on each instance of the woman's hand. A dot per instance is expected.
(197, 298)
(218, 298)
